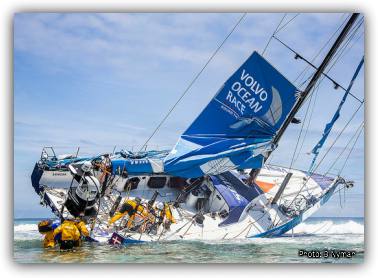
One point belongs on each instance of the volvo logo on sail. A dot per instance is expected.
(248, 92)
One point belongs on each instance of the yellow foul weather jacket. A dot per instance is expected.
(130, 207)
(69, 230)
(168, 213)
(82, 228)
(49, 241)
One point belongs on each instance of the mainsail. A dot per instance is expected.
(236, 128)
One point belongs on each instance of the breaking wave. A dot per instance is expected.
(330, 227)
(26, 232)
(25, 227)
(313, 234)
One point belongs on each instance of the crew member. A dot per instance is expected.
(70, 232)
(165, 215)
(82, 228)
(130, 207)
(46, 228)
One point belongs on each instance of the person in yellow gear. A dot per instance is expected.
(82, 228)
(46, 228)
(168, 213)
(130, 207)
(165, 215)
(70, 232)
(49, 241)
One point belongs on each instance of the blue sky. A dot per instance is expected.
(104, 80)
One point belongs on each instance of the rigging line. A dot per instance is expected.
(287, 23)
(348, 40)
(355, 41)
(340, 203)
(346, 47)
(272, 154)
(321, 49)
(300, 132)
(346, 50)
(315, 93)
(337, 191)
(195, 78)
(338, 52)
(270, 39)
(329, 69)
(272, 112)
(333, 143)
(354, 144)
(253, 222)
(344, 195)
(205, 173)
(342, 54)
(297, 55)
(313, 66)
(334, 59)
(246, 227)
(345, 148)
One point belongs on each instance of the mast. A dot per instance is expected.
(254, 172)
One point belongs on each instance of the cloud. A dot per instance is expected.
(112, 41)
(100, 80)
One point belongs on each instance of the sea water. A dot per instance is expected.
(315, 235)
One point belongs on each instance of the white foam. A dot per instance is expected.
(330, 227)
(26, 232)
(25, 228)
(326, 231)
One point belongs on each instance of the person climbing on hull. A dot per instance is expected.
(165, 216)
(70, 233)
(132, 208)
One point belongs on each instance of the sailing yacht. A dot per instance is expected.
(215, 181)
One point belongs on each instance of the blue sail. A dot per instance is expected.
(335, 117)
(236, 128)
(236, 194)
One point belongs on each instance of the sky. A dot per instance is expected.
(103, 80)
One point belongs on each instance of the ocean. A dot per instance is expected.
(323, 239)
